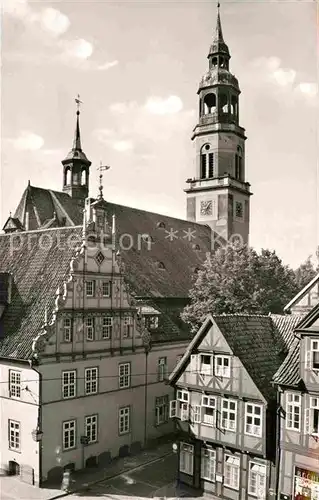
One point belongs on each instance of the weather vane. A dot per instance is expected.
(78, 103)
(102, 168)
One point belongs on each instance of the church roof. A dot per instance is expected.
(39, 263)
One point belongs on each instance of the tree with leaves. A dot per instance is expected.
(305, 273)
(236, 279)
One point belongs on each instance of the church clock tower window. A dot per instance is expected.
(207, 162)
(218, 193)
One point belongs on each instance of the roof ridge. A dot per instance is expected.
(246, 315)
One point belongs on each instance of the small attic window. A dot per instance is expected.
(161, 265)
(161, 225)
(196, 246)
(196, 270)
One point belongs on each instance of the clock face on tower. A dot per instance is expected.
(206, 207)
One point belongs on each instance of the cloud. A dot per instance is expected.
(270, 71)
(80, 49)
(107, 65)
(47, 26)
(27, 141)
(308, 89)
(53, 21)
(48, 19)
(123, 146)
(159, 106)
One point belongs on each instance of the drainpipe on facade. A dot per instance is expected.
(147, 350)
(39, 423)
(278, 454)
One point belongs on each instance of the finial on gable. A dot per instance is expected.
(101, 168)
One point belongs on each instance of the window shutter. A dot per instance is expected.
(307, 421)
(172, 408)
(193, 363)
(93, 286)
(308, 360)
(196, 414)
(184, 412)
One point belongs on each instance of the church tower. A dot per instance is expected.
(218, 195)
(76, 167)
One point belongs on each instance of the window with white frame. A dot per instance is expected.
(209, 410)
(69, 435)
(314, 353)
(106, 288)
(89, 328)
(127, 326)
(124, 375)
(161, 410)
(14, 435)
(67, 330)
(293, 411)
(314, 416)
(205, 364)
(69, 384)
(91, 430)
(124, 420)
(151, 322)
(222, 366)
(14, 384)
(89, 288)
(180, 406)
(107, 327)
(162, 369)
(229, 414)
(91, 380)
(231, 471)
(257, 480)
(208, 464)
(186, 458)
(253, 419)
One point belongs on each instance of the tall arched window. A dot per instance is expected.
(206, 162)
(239, 164)
(209, 103)
(83, 177)
(67, 176)
(223, 103)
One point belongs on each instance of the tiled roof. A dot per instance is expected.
(178, 247)
(286, 325)
(288, 373)
(254, 339)
(38, 269)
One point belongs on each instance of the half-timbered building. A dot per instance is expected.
(225, 405)
(297, 381)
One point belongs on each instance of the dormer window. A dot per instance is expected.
(161, 265)
(151, 322)
(161, 225)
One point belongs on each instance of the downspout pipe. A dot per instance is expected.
(39, 423)
(278, 433)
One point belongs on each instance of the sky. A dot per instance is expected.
(137, 66)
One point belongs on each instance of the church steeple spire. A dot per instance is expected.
(76, 166)
(218, 194)
(218, 32)
(77, 135)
